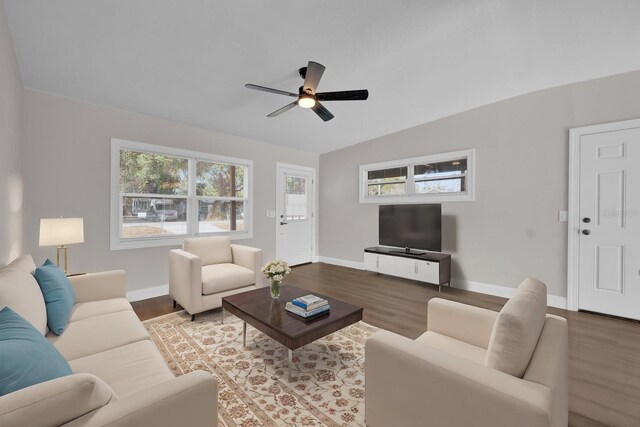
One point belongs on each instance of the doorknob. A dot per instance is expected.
(283, 223)
(586, 220)
(586, 232)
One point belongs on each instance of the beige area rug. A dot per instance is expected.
(327, 384)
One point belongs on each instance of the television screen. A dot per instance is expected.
(412, 226)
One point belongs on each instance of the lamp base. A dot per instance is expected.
(63, 249)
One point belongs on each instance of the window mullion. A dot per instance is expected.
(192, 208)
(410, 181)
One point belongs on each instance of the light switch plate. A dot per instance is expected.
(563, 216)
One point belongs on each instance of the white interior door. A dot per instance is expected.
(609, 222)
(294, 214)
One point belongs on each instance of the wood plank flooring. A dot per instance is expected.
(604, 352)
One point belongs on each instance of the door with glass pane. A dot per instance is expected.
(294, 214)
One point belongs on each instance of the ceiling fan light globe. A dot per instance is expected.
(306, 102)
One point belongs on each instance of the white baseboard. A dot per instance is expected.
(341, 262)
(146, 293)
(502, 291)
(469, 285)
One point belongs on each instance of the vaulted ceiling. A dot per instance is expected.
(421, 60)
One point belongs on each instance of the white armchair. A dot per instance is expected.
(209, 268)
(473, 367)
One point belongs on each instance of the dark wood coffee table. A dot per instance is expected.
(269, 316)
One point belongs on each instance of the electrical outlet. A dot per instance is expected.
(563, 216)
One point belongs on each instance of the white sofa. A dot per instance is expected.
(207, 269)
(119, 377)
(473, 367)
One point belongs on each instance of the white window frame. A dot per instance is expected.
(117, 243)
(411, 196)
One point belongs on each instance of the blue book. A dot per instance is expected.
(303, 313)
(310, 302)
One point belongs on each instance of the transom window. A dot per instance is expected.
(439, 178)
(161, 195)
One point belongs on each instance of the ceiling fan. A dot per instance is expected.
(307, 97)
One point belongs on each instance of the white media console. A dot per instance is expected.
(430, 267)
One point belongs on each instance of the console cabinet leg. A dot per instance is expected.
(193, 317)
(174, 303)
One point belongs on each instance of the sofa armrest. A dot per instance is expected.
(247, 257)
(463, 322)
(185, 279)
(55, 402)
(190, 399)
(411, 384)
(100, 286)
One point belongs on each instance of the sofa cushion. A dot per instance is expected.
(26, 357)
(225, 277)
(517, 329)
(20, 291)
(55, 402)
(84, 310)
(99, 333)
(127, 369)
(59, 295)
(211, 250)
(452, 346)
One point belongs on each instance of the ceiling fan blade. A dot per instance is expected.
(322, 112)
(283, 109)
(344, 95)
(312, 76)
(270, 90)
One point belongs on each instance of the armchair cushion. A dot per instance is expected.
(211, 250)
(225, 277)
(517, 329)
(453, 346)
(20, 291)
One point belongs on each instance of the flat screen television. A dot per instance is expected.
(411, 226)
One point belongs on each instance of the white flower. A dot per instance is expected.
(276, 270)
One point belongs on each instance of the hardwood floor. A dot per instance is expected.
(604, 352)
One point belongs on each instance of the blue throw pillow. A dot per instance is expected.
(58, 294)
(27, 357)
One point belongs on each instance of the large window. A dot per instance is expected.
(162, 195)
(435, 178)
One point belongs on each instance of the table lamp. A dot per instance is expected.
(61, 232)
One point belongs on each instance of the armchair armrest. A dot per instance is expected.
(411, 384)
(100, 286)
(54, 402)
(463, 322)
(190, 399)
(185, 279)
(247, 257)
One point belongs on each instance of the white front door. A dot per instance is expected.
(294, 214)
(609, 222)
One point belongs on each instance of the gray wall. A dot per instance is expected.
(66, 156)
(511, 229)
(10, 135)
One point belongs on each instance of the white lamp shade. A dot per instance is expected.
(61, 231)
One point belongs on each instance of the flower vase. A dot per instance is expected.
(275, 289)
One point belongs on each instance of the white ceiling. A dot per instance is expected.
(421, 60)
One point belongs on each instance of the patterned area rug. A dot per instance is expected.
(327, 384)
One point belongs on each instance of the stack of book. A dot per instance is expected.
(308, 306)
